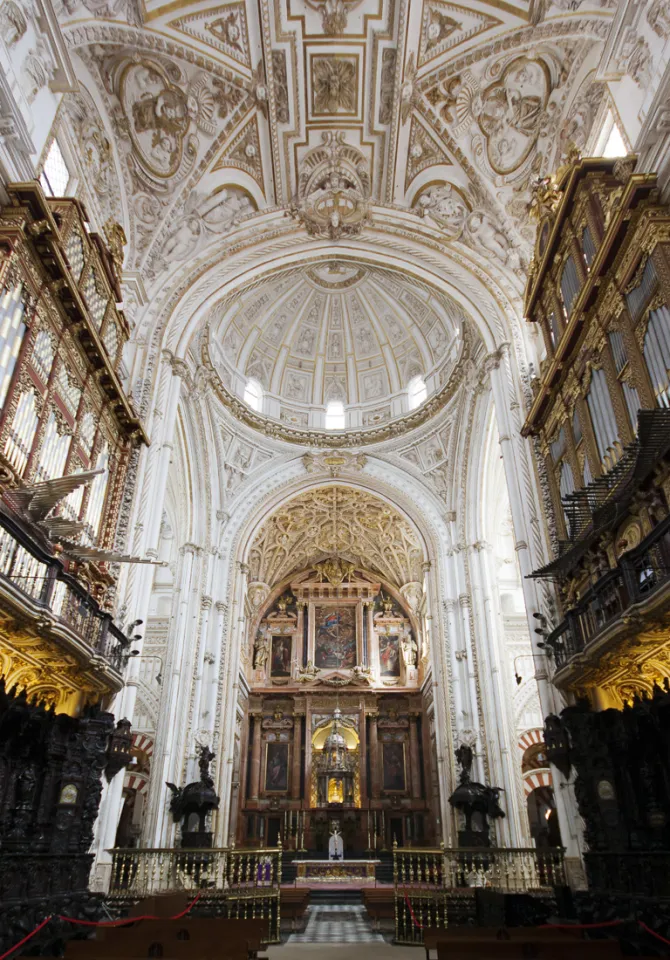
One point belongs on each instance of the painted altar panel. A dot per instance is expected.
(280, 663)
(276, 768)
(393, 764)
(389, 656)
(334, 637)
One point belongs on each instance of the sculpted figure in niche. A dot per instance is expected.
(218, 213)
(183, 241)
(484, 234)
(13, 22)
(409, 651)
(658, 17)
(224, 210)
(447, 208)
(261, 652)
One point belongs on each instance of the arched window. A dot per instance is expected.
(253, 395)
(55, 175)
(614, 145)
(417, 392)
(335, 415)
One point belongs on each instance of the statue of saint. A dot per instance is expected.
(261, 652)
(409, 651)
(335, 844)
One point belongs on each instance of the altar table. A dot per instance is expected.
(336, 871)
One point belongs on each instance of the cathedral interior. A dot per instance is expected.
(334, 477)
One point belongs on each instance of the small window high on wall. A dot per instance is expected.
(611, 142)
(417, 392)
(335, 415)
(55, 175)
(253, 395)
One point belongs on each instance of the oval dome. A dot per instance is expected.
(335, 331)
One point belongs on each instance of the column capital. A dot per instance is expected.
(190, 548)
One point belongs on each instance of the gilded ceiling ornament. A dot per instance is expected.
(334, 462)
(334, 83)
(228, 30)
(409, 95)
(439, 26)
(367, 533)
(259, 90)
(223, 28)
(333, 189)
(116, 240)
(387, 86)
(446, 25)
(423, 152)
(335, 570)
(280, 85)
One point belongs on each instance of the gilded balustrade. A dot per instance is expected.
(425, 878)
(245, 882)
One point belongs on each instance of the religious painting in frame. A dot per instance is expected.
(280, 660)
(335, 637)
(393, 767)
(389, 655)
(276, 768)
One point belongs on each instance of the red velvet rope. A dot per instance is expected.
(558, 926)
(576, 926)
(124, 922)
(25, 939)
(411, 913)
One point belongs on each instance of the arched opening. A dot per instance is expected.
(543, 818)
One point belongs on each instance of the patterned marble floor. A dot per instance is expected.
(332, 923)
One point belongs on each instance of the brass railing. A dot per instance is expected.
(425, 878)
(247, 881)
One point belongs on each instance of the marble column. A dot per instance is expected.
(363, 761)
(415, 757)
(255, 785)
(297, 757)
(374, 757)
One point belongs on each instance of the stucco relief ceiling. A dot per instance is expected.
(358, 526)
(337, 331)
(212, 113)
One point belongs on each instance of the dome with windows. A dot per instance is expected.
(335, 345)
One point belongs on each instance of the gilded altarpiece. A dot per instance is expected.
(336, 722)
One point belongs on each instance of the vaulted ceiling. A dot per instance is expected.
(337, 331)
(194, 117)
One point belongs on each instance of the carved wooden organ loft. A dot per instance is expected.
(338, 728)
(599, 291)
(68, 435)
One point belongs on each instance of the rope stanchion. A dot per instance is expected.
(123, 922)
(25, 939)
